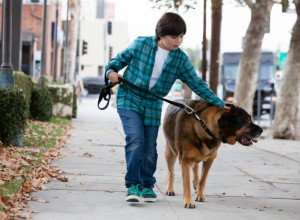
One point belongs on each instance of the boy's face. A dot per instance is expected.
(170, 42)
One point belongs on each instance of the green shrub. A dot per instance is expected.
(62, 100)
(24, 82)
(59, 95)
(13, 114)
(41, 104)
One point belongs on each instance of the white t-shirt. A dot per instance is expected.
(160, 58)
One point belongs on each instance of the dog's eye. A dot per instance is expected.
(250, 121)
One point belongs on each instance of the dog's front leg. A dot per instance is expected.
(196, 176)
(205, 169)
(187, 197)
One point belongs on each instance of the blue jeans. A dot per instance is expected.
(140, 149)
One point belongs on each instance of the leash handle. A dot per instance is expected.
(105, 94)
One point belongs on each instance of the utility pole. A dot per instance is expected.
(6, 70)
(66, 46)
(16, 28)
(203, 63)
(41, 82)
(54, 67)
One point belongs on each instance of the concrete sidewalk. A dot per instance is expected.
(258, 182)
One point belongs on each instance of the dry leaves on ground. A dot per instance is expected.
(30, 168)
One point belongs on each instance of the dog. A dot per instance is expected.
(189, 140)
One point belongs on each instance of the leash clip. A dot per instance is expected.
(188, 109)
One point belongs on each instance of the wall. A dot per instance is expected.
(92, 31)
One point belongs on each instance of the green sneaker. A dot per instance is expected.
(133, 193)
(148, 195)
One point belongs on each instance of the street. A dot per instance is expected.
(257, 182)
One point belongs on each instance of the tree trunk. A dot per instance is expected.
(73, 27)
(249, 63)
(287, 105)
(215, 44)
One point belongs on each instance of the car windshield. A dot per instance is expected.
(230, 71)
(93, 79)
(266, 71)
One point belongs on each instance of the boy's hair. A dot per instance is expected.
(170, 24)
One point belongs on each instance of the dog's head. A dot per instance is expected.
(236, 125)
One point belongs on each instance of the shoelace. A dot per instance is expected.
(148, 191)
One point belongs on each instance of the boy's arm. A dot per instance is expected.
(121, 60)
(197, 85)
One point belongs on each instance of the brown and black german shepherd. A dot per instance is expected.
(191, 143)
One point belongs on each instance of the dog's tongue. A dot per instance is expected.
(255, 141)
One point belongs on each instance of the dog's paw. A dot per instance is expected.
(189, 205)
(170, 193)
(200, 198)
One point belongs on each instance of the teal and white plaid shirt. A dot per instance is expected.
(139, 57)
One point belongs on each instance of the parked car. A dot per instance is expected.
(265, 83)
(93, 84)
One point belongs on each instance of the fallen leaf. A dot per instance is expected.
(87, 155)
(63, 179)
(42, 201)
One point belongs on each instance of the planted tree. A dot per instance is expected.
(287, 104)
(249, 63)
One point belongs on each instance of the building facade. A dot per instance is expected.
(100, 40)
(31, 37)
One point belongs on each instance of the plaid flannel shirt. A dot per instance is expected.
(139, 57)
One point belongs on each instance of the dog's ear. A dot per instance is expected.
(224, 121)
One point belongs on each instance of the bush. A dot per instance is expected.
(24, 82)
(41, 104)
(13, 114)
(62, 99)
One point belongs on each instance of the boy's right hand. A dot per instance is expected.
(114, 77)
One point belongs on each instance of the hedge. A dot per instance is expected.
(41, 104)
(24, 82)
(13, 114)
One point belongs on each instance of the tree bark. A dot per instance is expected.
(249, 63)
(215, 44)
(287, 105)
(73, 27)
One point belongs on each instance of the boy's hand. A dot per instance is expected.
(114, 77)
(228, 106)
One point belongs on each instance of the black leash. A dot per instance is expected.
(202, 123)
(105, 94)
